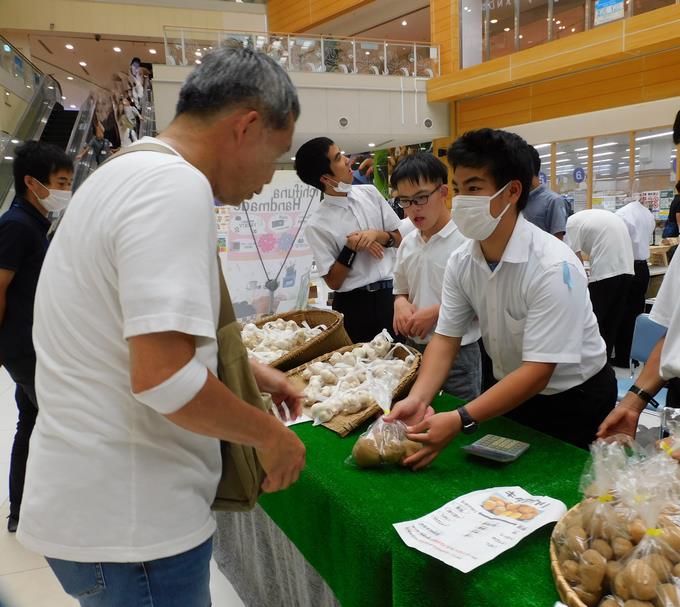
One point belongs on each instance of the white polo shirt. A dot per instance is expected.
(533, 307)
(363, 208)
(604, 238)
(419, 271)
(640, 223)
(109, 478)
(666, 312)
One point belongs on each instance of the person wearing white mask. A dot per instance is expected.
(353, 235)
(43, 175)
(530, 294)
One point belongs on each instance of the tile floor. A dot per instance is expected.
(25, 578)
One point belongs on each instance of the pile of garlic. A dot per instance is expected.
(354, 380)
(276, 338)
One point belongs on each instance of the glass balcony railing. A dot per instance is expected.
(310, 53)
(494, 28)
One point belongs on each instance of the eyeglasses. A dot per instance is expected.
(419, 201)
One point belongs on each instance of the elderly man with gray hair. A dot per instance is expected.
(125, 458)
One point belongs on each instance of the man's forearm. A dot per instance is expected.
(438, 359)
(649, 379)
(336, 276)
(514, 389)
(217, 412)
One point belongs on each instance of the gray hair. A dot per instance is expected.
(232, 77)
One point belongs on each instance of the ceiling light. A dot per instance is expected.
(28, 86)
(494, 21)
(573, 29)
(7, 93)
(343, 152)
(82, 64)
(152, 51)
(521, 36)
(117, 49)
(6, 48)
(557, 22)
(506, 29)
(599, 145)
(50, 87)
(665, 134)
(198, 53)
(371, 145)
(292, 157)
(15, 141)
(73, 106)
(563, 160)
(404, 23)
(63, 98)
(69, 47)
(585, 157)
(69, 77)
(8, 158)
(368, 52)
(541, 145)
(198, 61)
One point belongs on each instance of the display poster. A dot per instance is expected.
(652, 200)
(665, 199)
(277, 279)
(475, 528)
(609, 10)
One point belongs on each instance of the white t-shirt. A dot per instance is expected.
(109, 478)
(363, 208)
(604, 238)
(640, 223)
(666, 312)
(533, 307)
(419, 271)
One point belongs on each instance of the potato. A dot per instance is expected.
(603, 548)
(621, 547)
(411, 447)
(661, 565)
(570, 571)
(609, 602)
(668, 595)
(641, 579)
(393, 452)
(577, 539)
(636, 603)
(636, 530)
(676, 570)
(366, 454)
(613, 569)
(592, 569)
(489, 505)
(621, 588)
(671, 536)
(591, 599)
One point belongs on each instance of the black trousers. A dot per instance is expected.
(572, 416)
(633, 305)
(366, 313)
(607, 297)
(22, 372)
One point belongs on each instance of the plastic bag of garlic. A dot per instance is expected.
(276, 338)
(354, 380)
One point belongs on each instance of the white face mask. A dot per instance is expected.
(472, 215)
(342, 188)
(57, 200)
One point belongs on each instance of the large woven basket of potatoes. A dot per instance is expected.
(343, 389)
(291, 339)
(620, 547)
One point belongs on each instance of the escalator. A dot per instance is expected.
(59, 126)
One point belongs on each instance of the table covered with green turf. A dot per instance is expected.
(340, 519)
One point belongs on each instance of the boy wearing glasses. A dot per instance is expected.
(420, 181)
(530, 294)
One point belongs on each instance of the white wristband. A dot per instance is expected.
(177, 390)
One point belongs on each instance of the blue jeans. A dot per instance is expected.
(176, 581)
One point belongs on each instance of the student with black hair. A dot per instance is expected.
(420, 181)
(545, 208)
(530, 294)
(43, 175)
(352, 234)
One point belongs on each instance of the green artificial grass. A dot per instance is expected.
(341, 517)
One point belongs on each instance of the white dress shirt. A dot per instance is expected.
(419, 271)
(363, 208)
(533, 307)
(604, 238)
(640, 223)
(666, 312)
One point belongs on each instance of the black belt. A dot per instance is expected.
(376, 286)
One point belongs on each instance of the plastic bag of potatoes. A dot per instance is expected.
(622, 548)
(383, 443)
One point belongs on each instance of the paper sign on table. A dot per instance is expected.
(300, 420)
(475, 528)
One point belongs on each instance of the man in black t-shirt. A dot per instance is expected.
(42, 181)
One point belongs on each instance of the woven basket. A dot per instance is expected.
(344, 423)
(566, 592)
(332, 338)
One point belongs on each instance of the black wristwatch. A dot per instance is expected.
(390, 241)
(468, 424)
(645, 396)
